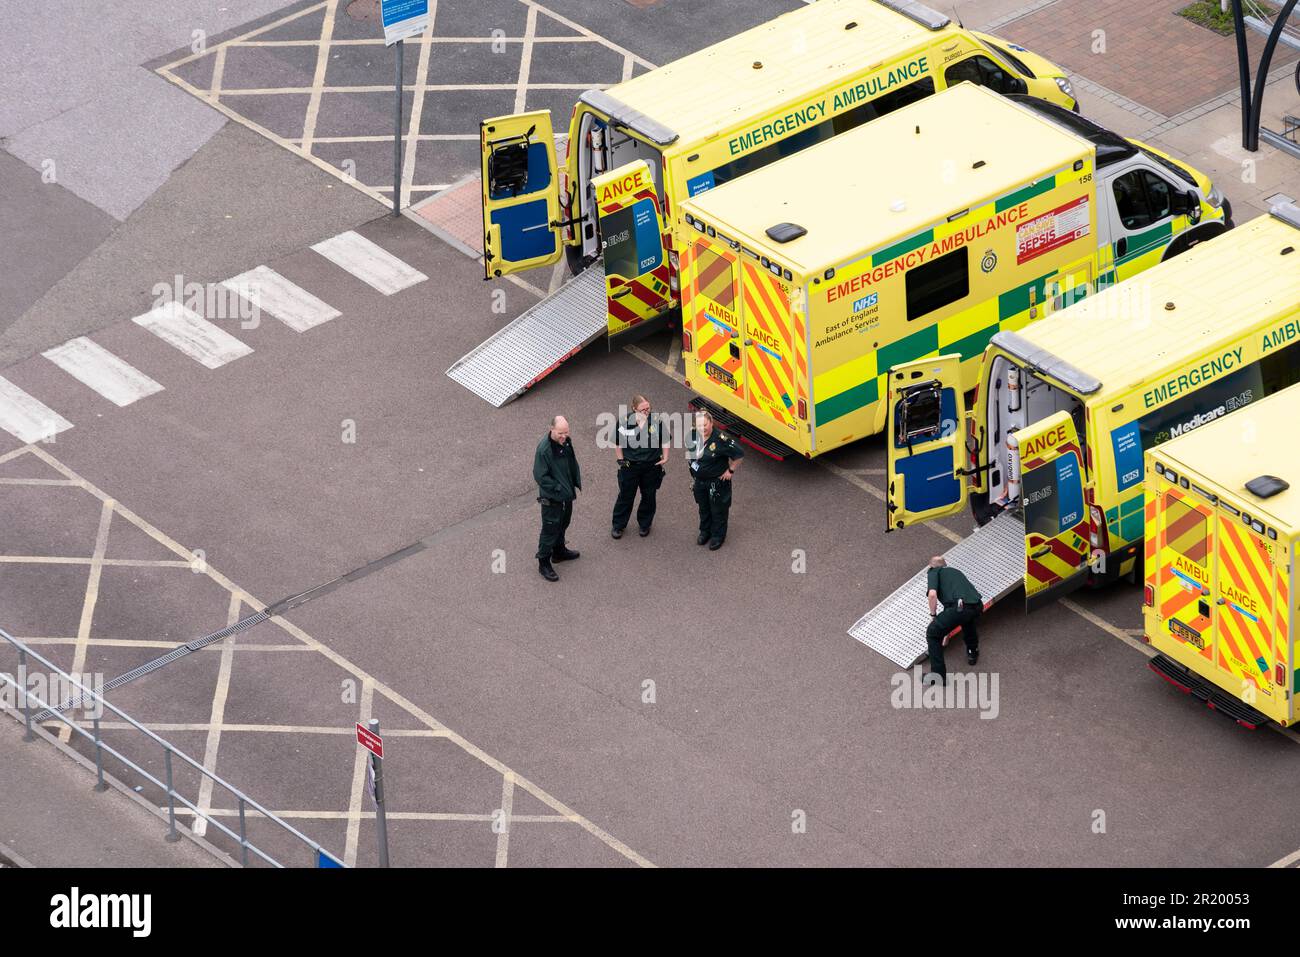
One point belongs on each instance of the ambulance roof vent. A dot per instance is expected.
(1266, 486)
(785, 232)
(1289, 213)
(918, 12)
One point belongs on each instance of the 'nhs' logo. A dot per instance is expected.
(866, 302)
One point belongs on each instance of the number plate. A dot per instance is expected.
(1187, 633)
(719, 374)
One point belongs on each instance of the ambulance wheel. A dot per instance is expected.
(1193, 238)
(576, 260)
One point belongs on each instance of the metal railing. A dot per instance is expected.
(319, 856)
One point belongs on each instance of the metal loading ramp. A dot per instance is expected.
(537, 341)
(993, 558)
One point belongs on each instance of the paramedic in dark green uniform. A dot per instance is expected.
(641, 459)
(962, 605)
(713, 463)
(558, 478)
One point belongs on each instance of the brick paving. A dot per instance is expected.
(1150, 54)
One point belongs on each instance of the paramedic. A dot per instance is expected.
(641, 459)
(558, 478)
(714, 459)
(962, 605)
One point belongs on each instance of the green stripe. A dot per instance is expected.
(899, 249)
(1015, 301)
(848, 401)
(1021, 195)
(973, 344)
(1140, 244)
(920, 343)
(1132, 504)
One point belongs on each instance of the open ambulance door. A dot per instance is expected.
(631, 232)
(925, 441)
(521, 194)
(1056, 519)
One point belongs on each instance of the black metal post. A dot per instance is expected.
(397, 137)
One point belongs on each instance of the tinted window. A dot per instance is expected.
(982, 71)
(938, 283)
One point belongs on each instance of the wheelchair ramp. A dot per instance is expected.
(538, 341)
(993, 558)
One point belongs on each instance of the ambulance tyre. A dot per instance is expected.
(1193, 238)
(576, 260)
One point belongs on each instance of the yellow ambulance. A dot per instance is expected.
(1222, 539)
(1066, 407)
(926, 232)
(638, 149)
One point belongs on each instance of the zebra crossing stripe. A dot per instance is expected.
(26, 418)
(270, 292)
(369, 262)
(193, 335)
(94, 366)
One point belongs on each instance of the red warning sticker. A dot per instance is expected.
(1052, 230)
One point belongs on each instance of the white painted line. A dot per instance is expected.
(26, 418)
(94, 366)
(192, 334)
(369, 262)
(270, 292)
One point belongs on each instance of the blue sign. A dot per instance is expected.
(1127, 444)
(699, 184)
(404, 18)
(324, 859)
(866, 302)
(649, 243)
(1069, 485)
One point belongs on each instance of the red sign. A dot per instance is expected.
(370, 741)
(1052, 230)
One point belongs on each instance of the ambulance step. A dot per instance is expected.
(755, 438)
(992, 557)
(1189, 682)
(537, 341)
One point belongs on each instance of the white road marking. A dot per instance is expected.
(270, 292)
(369, 262)
(94, 366)
(27, 418)
(193, 335)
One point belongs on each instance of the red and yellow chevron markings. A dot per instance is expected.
(1246, 585)
(650, 293)
(714, 319)
(771, 376)
(1067, 550)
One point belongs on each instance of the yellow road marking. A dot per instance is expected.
(219, 696)
(359, 761)
(90, 599)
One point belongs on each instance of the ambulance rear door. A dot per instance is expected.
(773, 350)
(521, 194)
(1056, 519)
(711, 308)
(1243, 593)
(631, 230)
(925, 446)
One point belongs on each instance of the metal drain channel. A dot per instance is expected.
(149, 666)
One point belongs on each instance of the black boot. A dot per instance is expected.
(702, 538)
(563, 554)
(546, 571)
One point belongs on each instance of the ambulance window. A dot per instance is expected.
(982, 71)
(714, 277)
(1142, 198)
(938, 283)
(1185, 530)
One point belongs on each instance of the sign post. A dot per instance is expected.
(369, 739)
(402, 19)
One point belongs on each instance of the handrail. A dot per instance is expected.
(245, 802)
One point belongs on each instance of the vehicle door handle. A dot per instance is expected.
(1221, 601)
(1040, 552)
(749, 342)
(620, 294)
(1121, 247)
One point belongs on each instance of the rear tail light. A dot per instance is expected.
(1279, 675)
(686, 343)
(1149, 597)
(803, 414)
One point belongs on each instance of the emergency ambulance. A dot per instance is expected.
(1222, 537)
(1065, 408)
(638, 149)
(926, 232)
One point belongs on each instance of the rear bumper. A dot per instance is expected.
(756, 439)
(1214, 697)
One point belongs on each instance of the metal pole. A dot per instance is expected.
(243, 835)
(1243, 72)
(22, 690)
(1261, 76)
(397, 137)
(172, 835)
(381, 815)
(99, 760)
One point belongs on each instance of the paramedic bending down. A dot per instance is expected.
(962, 606)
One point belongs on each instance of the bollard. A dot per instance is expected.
(172, 834)
(99, 761)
